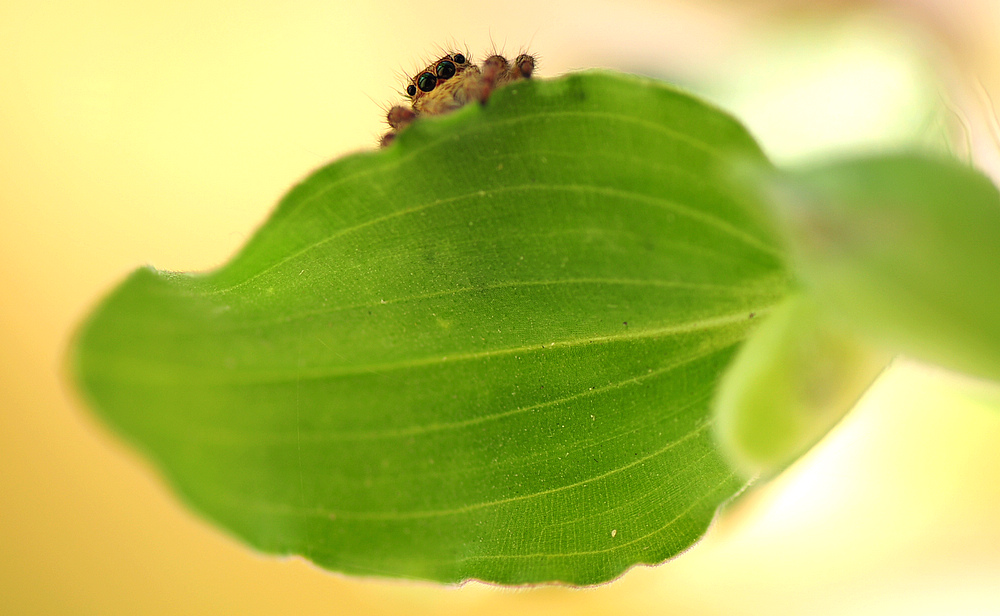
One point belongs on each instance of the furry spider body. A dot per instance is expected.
(453, 82)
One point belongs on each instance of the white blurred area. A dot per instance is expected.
(164, 132)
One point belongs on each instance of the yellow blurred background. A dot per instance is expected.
(163, 133)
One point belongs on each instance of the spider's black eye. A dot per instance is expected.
(459, 58)
(426, 81)
(411, 90)
(445, 69)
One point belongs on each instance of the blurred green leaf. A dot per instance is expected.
(485, 352)
(902, 249)
(792, 381)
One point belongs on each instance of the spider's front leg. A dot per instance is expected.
(387, 138)
(398, 118)
(523, 67)
(494, 73)
(498, 72)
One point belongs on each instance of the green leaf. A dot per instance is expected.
(793, 380)
(904, 250)
(485, 352)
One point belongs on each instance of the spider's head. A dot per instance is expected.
(444, 69)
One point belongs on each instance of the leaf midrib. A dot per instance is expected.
(258, 378)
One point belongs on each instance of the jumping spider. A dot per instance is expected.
(452, 82)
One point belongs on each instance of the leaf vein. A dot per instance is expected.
(706, 219)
